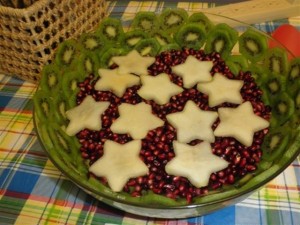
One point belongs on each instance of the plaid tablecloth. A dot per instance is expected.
(33, 191)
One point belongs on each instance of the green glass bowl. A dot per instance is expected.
(152, 205)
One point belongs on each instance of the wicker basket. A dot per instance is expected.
(29, 37)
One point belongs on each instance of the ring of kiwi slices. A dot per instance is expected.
(75, 68)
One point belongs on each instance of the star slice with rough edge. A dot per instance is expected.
(193, 71)
(119, 163)
(196, 163)
(136, 120)
(86, 115)
(221, 90)
(158, 88)
(240, 123)
(134, 63)
(193, 123)
(117, 83)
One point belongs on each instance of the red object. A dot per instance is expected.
(289, 37)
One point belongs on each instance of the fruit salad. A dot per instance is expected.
(165, 109)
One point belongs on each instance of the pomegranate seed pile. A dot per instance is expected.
(157, 147)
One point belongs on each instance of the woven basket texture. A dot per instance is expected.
(29, 36)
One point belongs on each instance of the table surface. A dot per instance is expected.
(33, 191)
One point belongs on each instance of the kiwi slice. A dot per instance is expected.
(131, 38)
(87, 63)
(43, 104)
(275, 143)
(283, 108)
(274, 84)
(237, 63)
(293, 89)
(105, 59)
(60, 105)
(201, 18)
(61, 141)
(191, 35)
(72, 164)
(148, 47)
(66, 148)
(258, 72)
(277, 61)
(233, 33)
(67, 52)
(110, 29)
(233, 67)
(296, 98)
(92, 42)
(146, 21)
(171, 19)
(50, 77)
(253, 45)
(162, 37)
(294, 70)
(69, 86)
(293, 80)
(221, 38)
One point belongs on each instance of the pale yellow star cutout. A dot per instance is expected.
(222, 89)
(117, 83)
(134, 63)
(240, 123)
(119, 163)
(193, 123)
(196, 163)
(136, 120)
(158, 88)
(86, 115)
(193, 71)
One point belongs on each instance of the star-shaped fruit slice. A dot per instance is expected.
(221, 89)
(193, 123)
(86, 115)
(117, 83)
(119, 163)
(240, 123)
(196, 163)
(193, 71)
(134, 63)
(136, 120)
(158, 88)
